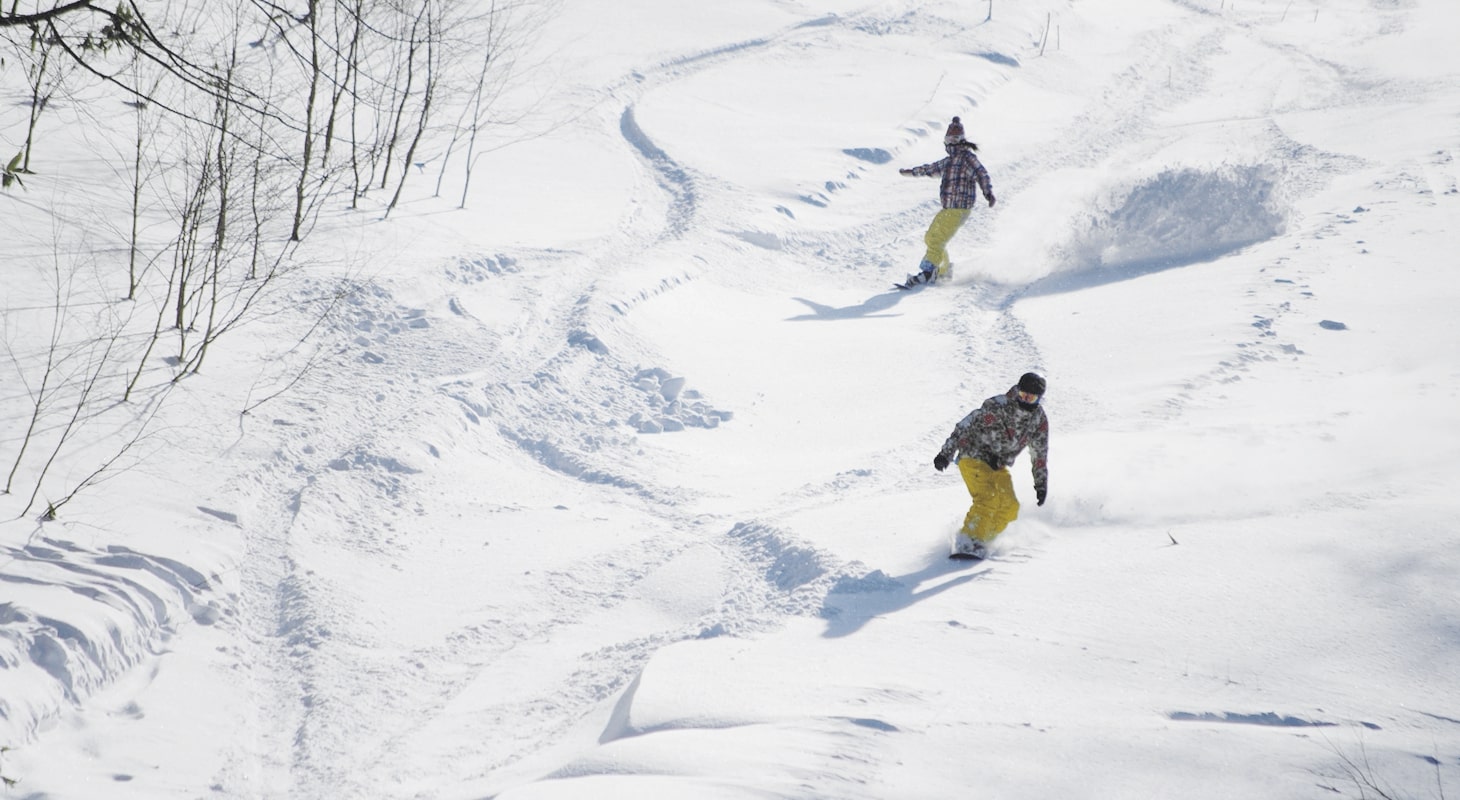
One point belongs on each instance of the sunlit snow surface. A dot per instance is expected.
(618, 483)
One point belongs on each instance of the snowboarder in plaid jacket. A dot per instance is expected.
(963, 176)
(984, 444)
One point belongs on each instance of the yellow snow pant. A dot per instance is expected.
(945, 224)
(994, 504)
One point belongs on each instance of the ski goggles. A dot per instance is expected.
(1028, 398)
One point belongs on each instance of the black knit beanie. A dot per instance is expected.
(1032, 383)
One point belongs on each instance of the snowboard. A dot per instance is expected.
(915, 281)
(967, 552)
(909, 285)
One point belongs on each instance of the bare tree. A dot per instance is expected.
(44, 76)
(430, 65)
(491, 59)
(245, 122)
(142, 168)
(40, 394)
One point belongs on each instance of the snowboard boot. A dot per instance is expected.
(966, 546)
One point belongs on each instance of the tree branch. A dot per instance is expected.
(8, 20)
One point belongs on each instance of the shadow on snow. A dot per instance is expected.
(875, 306)
(854, 602)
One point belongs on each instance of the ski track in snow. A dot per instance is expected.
(563, 406)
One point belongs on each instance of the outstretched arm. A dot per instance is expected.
(926, 170)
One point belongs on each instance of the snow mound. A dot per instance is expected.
(92, 614)
(669, 406)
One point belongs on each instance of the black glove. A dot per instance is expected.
(993, 462)
(940, 462)
(991, 201)
(904, 172)
(1039, 492)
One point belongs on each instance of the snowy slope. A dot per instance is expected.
(618, 483)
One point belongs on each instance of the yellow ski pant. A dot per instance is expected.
(994, 504)
(945, 224)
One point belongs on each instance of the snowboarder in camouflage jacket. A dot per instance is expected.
(984, 444)
(963, 175)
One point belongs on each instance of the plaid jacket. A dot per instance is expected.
(998, 431)
(961, 173)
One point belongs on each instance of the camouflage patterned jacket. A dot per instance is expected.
(963, 175)
(998, 431)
